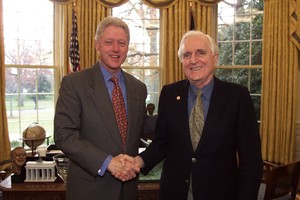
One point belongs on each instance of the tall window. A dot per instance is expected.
(30, 72)
(143, 56)
(240, 43)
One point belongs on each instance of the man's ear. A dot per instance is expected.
(216, 57)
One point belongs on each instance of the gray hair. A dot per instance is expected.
(213, 46)
(111, 21)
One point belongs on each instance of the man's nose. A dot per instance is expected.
(116, 46)
(193, 58)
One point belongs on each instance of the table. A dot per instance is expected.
(56, 191)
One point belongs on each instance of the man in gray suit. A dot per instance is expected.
(85, 127)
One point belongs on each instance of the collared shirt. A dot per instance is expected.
(206, 96)
(109, 86)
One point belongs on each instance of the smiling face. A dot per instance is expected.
(198, 60)
(112, 47)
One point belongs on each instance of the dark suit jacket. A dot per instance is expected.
(86, 130)
(227, 163)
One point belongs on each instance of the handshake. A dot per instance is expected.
(124, 167)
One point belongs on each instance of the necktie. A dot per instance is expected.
(196, 121)
(119, 109)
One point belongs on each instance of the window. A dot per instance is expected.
(30, 71)
(143, 56)
(240, 43)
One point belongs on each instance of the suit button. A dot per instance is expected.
(187, 180)
(194, 160)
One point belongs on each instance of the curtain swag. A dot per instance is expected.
(160, 3)
(168, 3)
(295, 22)
(111, 3)
(62, 1)
(209, 2)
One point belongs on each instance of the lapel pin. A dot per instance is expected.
(178, 98)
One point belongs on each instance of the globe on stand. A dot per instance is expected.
(33, 136)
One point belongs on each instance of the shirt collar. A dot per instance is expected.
(206, 90)
(107, 75)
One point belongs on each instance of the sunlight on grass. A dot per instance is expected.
(19, 118)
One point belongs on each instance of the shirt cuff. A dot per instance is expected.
(104, 166)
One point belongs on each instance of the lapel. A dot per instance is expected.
(217, 103)
(181, 99)
(100, 96)
(132, 108)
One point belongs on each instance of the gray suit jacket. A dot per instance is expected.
(85, 129)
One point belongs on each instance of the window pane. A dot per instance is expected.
(242, 29)
(28, 39)
(143, 22)
(143, 55)
(241, 6)
(152, 80)
(30, 74)
(257, 26)
(224, 74)
(255, 81)
(256, 102)
(240, 76)
(225, 53)
(29, 99)
(256, 56)
(241, 53)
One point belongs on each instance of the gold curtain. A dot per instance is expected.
(295, 22)
(175, 21)
(279, 83)
(89, 13)
(4, 138)
(206, 16)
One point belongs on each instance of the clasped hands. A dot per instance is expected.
(124, 167)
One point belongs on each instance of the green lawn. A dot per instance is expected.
(20, 117)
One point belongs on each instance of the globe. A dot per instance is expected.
(34, 135)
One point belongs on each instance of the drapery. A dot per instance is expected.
(89, 14)
(280, 80)
(176, 15)
(175, 21)
(206, 16)
(295, 22)
(4, 138)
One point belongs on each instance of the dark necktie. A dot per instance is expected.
(119, 109)
(196, 121)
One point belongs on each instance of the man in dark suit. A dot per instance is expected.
(226, 164)
(85, 127)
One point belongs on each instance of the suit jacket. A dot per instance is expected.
(87, 132)
(227, 163)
